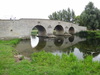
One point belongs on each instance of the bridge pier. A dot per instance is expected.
(50, 35)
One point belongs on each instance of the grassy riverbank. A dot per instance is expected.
(89, 34)
(7, 55)
(43, 63)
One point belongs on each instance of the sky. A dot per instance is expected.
(40, 8)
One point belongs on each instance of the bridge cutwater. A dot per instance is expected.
(22, 28)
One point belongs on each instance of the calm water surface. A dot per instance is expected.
(81, 47)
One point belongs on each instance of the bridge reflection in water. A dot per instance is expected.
(56, 45)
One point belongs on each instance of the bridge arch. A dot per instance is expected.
(58, 30)
(39, 30)
(71, 30)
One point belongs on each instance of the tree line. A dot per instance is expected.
(63, 15)
(90, 17)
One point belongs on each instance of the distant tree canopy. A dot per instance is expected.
(90, 17)
(63, 15)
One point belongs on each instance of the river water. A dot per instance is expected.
(81, 47)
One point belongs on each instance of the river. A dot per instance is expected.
(81, 47)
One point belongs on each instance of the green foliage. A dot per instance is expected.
(6, 58)
(10, 42)
(46, 63)
(63, 15)
(45, 58)
(6, 54)
(22, 68)
(34, 32)
(88, 59)
(89, 34)
(90, 17)
(77, 19)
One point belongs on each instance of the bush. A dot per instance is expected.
(88, 34)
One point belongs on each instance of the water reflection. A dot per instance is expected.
(97, 58)
(79, 46)
(71, 39)
(41, 44)
(58, 41)
(90, 47)
(77, 52)
(34, 41)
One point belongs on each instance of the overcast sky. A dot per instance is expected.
(40, 8)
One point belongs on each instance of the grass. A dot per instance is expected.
(10, 42)
(64, 65)
(6, 54)
(43, 63)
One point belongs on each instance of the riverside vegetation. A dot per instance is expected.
(89, 34)
(43, 63)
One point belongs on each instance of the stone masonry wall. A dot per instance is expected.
(22, 28)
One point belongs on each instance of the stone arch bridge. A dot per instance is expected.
(22, 28)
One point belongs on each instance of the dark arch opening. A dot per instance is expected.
(58, 30)
(38, 31)
(58, 41)
(71, 39)
(71, 30)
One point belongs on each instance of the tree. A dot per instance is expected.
(77, 19)
(63, 15)
(73, 16)
(54, 16)
(90, 17)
